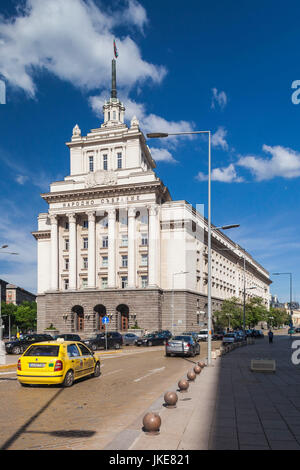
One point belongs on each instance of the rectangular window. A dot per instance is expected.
(124, 240)
(104, 242)
(144, 239)
(114, 115)
(85, 224)
(144, 218)
(105, 162)
(85, 243)
(66, 284)
(104, 282)
(85, 263)
(104, 261)
(67, 244)
(91, 163)
(144, 260)
(124, 261)
(67, 263)
(144, 280)
(124, 282)
(119, 156)
(84, 282)
(67, 225)
(104, 222)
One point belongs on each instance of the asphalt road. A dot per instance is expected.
(94, 410)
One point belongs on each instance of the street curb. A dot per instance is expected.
(8, 366)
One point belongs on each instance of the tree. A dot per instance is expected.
(230, 314)
(277, 317)
(8, 314)
(255, 311)
(26, 316)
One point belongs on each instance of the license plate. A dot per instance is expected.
(36, 364)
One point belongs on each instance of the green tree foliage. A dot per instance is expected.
(25, 315)
(231, 314)
(277, 317)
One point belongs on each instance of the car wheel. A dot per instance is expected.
(94, 347)
(17, 350)
(97, 370)
(69, 379)
(117, 346)
(168, 354)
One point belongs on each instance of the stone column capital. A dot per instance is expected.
(111, 213)
(153, 209)
(53, 219)
(131, 212)
(91, 215)
(72, 217)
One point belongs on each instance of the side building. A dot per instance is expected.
(113, 242)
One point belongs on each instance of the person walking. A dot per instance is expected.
(270, 334)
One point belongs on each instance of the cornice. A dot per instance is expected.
(41, 234)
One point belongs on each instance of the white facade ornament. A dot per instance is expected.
(101, 178)
(76, 131)
(134, 122)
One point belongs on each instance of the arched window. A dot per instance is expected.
(123, 311)
(79, 319)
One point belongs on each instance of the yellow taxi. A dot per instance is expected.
(56, 362)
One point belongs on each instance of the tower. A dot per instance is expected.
(113, 109)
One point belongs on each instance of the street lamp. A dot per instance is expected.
(173, 275)
(158, 135)
(291, 289)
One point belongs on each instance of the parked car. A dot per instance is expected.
(166, 333)
(230, 338)
(182, 345)
(113, 339)
(68, 337)
(203, 335)
(151, 340)
(129, 338)
(191, 333)
(218, 336)
(56, 362)
(297, 330)
(18, 346)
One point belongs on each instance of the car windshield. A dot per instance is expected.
(149, 336)
(230, 335)
(40, 350)
(203, 332)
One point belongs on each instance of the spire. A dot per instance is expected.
(113, 80)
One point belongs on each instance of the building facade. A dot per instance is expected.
(114, 243)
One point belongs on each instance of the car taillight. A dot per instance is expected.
(58, 366)
(167, 344)
(19, 364)
(189, 345)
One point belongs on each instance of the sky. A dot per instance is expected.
(230, 67)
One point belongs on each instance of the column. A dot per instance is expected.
(131, 248)
(112, 248)
(54, 252)
(91, 251)
(72, 252)
(153, 248)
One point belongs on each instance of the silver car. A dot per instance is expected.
(230, 338)
(182, 345)
(129, 338)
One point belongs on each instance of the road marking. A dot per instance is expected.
(153, 371)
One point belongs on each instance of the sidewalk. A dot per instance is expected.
(230, 407)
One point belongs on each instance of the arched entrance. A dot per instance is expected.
(79, 319)
(123, 311)
(100, 311)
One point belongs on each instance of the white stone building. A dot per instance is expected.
(113, 242)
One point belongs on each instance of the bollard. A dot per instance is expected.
(191, 375)
(183, 385)
(151, 423)
(197, 369)
(201, 364)
(171, 399)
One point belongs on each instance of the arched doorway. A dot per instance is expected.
(123, 310)
(79, 319)
(100, 311)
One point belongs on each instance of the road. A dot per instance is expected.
(93, 411)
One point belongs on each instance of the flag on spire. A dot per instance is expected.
(115, 50)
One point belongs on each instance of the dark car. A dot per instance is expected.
(68, 337)
(297, 330)
(218, 336)
(112, 339)
(165, 333)
(18, 346)
(153, 339)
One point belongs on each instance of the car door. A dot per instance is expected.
(87, 358)
(75, 359)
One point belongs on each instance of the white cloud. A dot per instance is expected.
(162, 155)
(218, 139)
(72, 39)
(224, 175)
(218, 98)
(284, 163)
(21, 179)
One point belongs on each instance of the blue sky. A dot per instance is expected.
(225, 66)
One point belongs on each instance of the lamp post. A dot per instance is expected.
(173, 276)
(2, 347)
(158, 135)
(291, 290)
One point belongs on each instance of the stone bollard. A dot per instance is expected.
(197, 369)
(183, 386)
(191, 375)
(171, 399)
(151, 423)
(201, 364)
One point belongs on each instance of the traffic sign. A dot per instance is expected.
(105, 320)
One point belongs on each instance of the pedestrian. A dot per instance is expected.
(270, 334)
